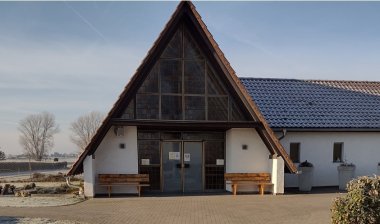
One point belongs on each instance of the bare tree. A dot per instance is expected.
(84, 128)
(37, 134)
(2, 155)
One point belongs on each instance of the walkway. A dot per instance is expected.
(268, 209)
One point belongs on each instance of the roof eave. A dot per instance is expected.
(327, 129)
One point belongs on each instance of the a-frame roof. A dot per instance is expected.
(186, 10)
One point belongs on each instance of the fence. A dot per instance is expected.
(24, 166)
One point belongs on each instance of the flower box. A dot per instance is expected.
(305, 178)
(346, 172)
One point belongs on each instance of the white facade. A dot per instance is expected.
(359, 148)
(89, 176)
(111, 159)
(254, 159)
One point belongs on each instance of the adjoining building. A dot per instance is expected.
(185, 119)
(326, 122)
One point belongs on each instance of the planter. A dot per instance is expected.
(305, 179)
(346, 173)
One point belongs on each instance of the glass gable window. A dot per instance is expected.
(183, 85)
(171, 82)
(147, 106)
(150, 84)
(195, 108)
(171, 107)
(174, 48)
(194, 73)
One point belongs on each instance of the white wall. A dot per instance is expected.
(88, 176)
(360, 148)
(110, 159)
(278, 175)
(253, 160)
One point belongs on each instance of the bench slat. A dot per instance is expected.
(123, 175)
(241, 175)
(248, 178)
(121, 180)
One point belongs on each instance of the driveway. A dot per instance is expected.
(297, 208)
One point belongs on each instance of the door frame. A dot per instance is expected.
(182, 163)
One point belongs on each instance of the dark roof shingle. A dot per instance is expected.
(292, 103)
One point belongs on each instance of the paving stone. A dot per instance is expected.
(268, 209)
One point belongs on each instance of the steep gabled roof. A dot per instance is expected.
(317, 104)
(186, 10)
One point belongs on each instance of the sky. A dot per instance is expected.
(71, 58)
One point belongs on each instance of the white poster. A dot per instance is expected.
(174, 156)
(186, 157)
(145, 162)
(220, 162)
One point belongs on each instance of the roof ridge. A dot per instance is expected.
(314, 80)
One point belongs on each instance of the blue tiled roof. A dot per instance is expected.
(291, 103)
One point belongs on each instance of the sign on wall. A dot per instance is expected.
(174, 155)
(145, 162)
(186, 157)
(220, 162)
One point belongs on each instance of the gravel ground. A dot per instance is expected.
(38, 201)
(19, 220)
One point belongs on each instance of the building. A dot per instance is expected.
(185, 119)
(326, 123)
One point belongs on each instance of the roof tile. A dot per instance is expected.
(292, 103)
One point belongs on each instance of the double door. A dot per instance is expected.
(182, 166)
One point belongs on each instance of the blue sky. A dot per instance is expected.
(70, 58)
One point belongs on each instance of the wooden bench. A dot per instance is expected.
(259, 179)
(110, 180)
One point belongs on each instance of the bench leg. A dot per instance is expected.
(234, 188)
(109, 191)
(261, 189)
(139, 190)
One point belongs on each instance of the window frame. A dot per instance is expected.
(341, 152)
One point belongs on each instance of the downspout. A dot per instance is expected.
(284, 131)
(73, 186)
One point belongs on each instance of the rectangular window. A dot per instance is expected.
(295, 152)
(338, 152)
